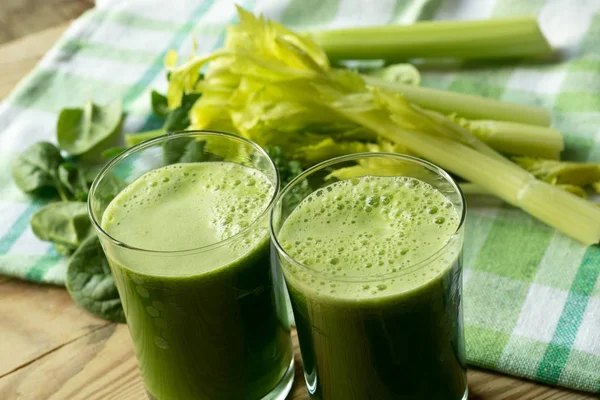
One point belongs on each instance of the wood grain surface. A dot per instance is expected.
(51, 349)
(23, 17)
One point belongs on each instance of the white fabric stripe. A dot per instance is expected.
(57, 273)
(29, 244)
(172, 11)
(540, 313)
(272, 9)
(96, 68)
(588, 335)
(362, 13)
(562, 254)
(538, 82)
(565, 23)
(124, 37)
(466, 9)
(22, 127)
(9, 213)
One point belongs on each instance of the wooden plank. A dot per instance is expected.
(98, 365)
(24, 17)
(102, 365)
(36, 320)
(19, 57)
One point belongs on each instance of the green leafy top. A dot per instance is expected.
(64, 223)
(36, 168)
(90, 282)
(86, 130)
(562, 172)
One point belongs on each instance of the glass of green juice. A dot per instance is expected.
(370, 247)
(183, 221)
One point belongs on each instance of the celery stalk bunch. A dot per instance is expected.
(277, 87)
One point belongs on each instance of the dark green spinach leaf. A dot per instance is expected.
(73, 178)
(178, 119)
(87, 131)
(160, 105)
(65, 223)
(90, 282)
(36, 168)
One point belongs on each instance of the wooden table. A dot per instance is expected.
(51, 349)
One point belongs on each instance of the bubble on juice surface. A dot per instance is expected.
(384, 227)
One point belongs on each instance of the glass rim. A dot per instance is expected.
(163, 138)
(355, 156)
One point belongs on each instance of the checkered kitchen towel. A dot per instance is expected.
(532, 295)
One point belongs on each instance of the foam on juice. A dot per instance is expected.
(189, 206)
(368, 236)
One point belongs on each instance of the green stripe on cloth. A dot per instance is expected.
(20, 225)
(557, 353)
(577, 102)
(38, 270)
(136, 21)
(505, 253)
(107, 52)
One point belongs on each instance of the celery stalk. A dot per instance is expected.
(518, 139)
(473, 189)
(466, 105)
(469, 188)
(485, 39)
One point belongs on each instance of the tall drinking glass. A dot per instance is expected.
(183, 221)
(370, 246)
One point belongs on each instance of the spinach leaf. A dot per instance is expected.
(90, 282)
(160, 105)
(88, 130)
(63, 250)
(65, 223)
(178, 119)
(73, 178)
(36, 168)
(90, 172)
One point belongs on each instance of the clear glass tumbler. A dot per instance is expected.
(207, 322)
(396, 333)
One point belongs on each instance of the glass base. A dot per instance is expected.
(466, 396)
(279, 392)
(284, 386)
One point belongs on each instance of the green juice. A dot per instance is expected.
(207, 323)
(377, 297)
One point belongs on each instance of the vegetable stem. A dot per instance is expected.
(518, 139)
(484, 39)
(466, 105)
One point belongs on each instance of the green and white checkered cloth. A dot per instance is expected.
(532, 295)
